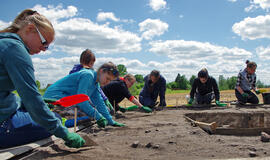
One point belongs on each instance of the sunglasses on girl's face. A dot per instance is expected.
(43, 40)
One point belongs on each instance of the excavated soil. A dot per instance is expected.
(166, 134)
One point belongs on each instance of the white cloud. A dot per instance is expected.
(75, 34)
(263, 53)
(83, 33)
(47, 71)
(157, 4)
(251, 8)
(232, 1)
(4, 24)
(253, 28)
(181, 49)
(152, 27)
(57, 13)
(103, 16)
(264, 4)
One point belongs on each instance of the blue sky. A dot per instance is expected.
(176, 36)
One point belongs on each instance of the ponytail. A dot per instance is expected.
(250, 64)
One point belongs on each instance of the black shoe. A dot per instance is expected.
(240, 103)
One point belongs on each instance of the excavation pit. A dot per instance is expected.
(231, 123)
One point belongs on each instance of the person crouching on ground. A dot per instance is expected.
(27, 119)
(117, 90)
(154, 85)
(86, 81)
(87, 60)
(203, 87)
(246, 81)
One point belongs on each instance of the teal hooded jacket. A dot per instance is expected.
(82, 82)
(17, 73)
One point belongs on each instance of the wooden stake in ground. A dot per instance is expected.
(208, 127)
(75, 118)
(114, 107)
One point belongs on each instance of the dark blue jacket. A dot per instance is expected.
(159, 88)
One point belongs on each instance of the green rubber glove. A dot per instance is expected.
(102, 122)
(117, 124)
(220, 104)
(48, 101)
(146, 109)
(73, 140)
(122, 109)
(109, 105)
(245, 95)
(190, 101)
(258, 91)
(64, 121)
(131, 108)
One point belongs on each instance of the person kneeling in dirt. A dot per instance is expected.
(203, 88)
(246, 81)
(154, 85)
(87, 60)
(86, 81)
(26, 119)
(117, 90)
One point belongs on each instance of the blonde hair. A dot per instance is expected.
(130, 77)
(29, 16)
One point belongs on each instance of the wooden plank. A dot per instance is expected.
(208, 127)
(15, 151)
(18, 150)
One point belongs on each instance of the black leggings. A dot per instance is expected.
(252, 98)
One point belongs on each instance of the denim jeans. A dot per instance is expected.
(147, 101)
(20, 129)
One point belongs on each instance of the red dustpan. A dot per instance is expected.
(70, 101)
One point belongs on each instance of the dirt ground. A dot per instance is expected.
(162, 135)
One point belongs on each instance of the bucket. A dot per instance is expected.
(266, 98)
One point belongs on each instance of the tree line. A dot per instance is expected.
(181, 82)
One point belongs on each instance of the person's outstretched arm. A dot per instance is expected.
(85, 86)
